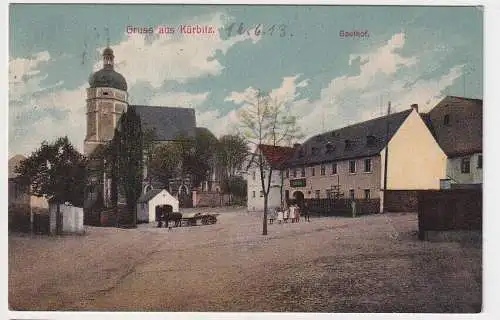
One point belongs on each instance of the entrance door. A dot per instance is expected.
(299, 198)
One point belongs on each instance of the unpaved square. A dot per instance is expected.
(365, 264)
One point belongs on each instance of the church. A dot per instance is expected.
(107, 100)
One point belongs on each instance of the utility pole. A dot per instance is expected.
(386, 156)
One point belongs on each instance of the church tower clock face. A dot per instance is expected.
(107, 100)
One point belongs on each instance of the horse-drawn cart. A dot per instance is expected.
(186, 219)
(191, 219)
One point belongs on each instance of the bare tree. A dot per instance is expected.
(267, 120)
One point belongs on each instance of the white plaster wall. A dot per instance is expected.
(415, 159)
(257, 203)
(454, 170)
(72, 218)
(160, 199)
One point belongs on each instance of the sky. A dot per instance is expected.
(404, 55)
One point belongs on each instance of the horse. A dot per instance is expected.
(173, 216)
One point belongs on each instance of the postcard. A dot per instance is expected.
(245, 158)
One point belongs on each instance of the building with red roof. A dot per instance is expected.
(273, 158)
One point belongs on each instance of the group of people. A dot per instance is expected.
(290, 213)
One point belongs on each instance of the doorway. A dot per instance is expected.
(298, 196)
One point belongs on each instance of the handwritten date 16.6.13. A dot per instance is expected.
(256, 30)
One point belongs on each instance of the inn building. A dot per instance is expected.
(350, 162)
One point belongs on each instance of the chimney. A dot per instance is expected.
(415, 107)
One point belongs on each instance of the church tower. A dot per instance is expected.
(107, 99)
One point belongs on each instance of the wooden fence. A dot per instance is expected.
(342, 207)
(449, 210)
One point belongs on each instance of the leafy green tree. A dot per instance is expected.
(165, 162)
(232, 152)
(267, 120)
(235, 186)
(56, 171)
(198, 154)
(202, 160)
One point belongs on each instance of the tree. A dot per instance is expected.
(199, 155)
(165, 162)
(56, 171)
(232, 152)
(235, 186)
(265, 119)
(128, 161)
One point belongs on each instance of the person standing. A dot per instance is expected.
(280, 216)
(293, 210)
(305, 211)
(286, 213)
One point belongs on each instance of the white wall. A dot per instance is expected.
(160, 199)
(255, 186)
(72, 219)
(415, 159)
(454, 170)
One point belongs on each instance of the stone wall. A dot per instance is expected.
(210, 199)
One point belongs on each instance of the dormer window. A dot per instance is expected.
(370, 140)
(348, 144)
(446, 120)
(329, 147)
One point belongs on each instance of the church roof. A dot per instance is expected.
(168, 123)
(108, 78)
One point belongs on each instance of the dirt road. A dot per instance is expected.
(367, 264)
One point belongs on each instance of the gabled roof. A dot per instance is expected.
(462, 133)
(13, 163)
(275, 156)
(145, 197)
(167, 122)
(363, 139)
